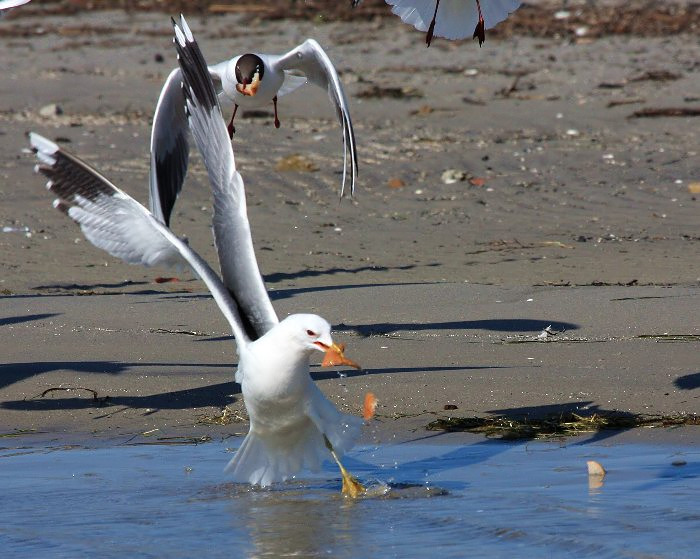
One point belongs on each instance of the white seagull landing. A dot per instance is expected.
(292, 424)
(248, 80)
(452, 19)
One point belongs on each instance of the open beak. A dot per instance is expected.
(251, 88)
(334, 356)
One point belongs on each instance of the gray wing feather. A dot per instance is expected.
(232, 236)
(170, 148)
(313, 61)
(113, 221)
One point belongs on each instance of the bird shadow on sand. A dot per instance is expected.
(505, 325)
(89, 290)
(291, 292)
(688, 382)
(90, 286)
(323, 374)
(218, 395)
(15, 372)
(277, 294)
(70, 396)
(282, 276)
(10, 320)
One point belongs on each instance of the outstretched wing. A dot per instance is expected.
(170, 149)
(310, 59)
(7, 4)
(113, 221)
(291, 83)
(234, 243)
(454, 19)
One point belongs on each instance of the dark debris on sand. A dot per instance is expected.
(557, 425)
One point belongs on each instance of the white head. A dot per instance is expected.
(309, 331)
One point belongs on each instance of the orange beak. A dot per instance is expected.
(251, 88)
(334, 356)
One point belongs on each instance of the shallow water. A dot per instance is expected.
(485, 499)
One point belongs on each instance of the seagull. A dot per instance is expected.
(249, 80)
(292, 424)
(7, 4)
(452, 19)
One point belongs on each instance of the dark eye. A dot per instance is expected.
(311, 333)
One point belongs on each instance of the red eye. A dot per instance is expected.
(311, 333)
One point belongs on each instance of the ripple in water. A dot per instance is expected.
(489, 499)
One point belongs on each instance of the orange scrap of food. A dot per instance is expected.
(251, 88)
(161, 279)
(334, 356)
(370, 406)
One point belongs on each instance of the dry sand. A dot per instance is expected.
(571, 213)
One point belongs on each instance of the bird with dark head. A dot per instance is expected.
(252, 81)
(249, 72)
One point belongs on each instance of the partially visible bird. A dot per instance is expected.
(292, 424)
(7, 4)
(250, 80)
(452, 19)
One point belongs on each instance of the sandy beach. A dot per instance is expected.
(503, 190)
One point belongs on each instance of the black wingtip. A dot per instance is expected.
(198, 87)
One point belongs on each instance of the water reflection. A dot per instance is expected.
(296, 524)
(505, 500)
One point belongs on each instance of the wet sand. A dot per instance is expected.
(566, 199)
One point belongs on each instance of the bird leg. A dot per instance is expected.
(479, 31)
(277, 120)
(351, 487)
(231, 127)
(431, 28)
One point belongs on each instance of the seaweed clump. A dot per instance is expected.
(555, 426)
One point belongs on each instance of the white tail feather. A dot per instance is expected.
(264, 461)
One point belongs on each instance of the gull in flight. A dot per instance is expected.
(452, 19)
(248, 80)
(7, 4)
(292, 424)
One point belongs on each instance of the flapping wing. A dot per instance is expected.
(234, 243)
(495, 11)
(170, 148)
(290, 83)
(454, 20)
(310, 59)
(7, 4)
(113, 221)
